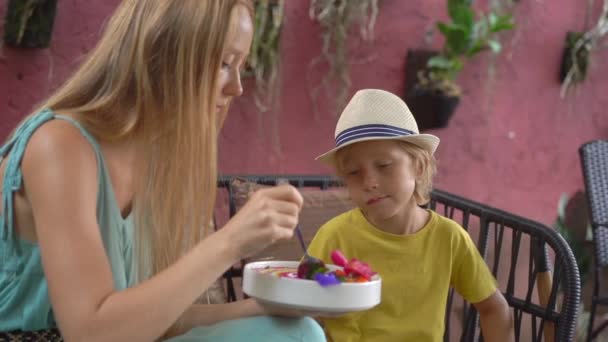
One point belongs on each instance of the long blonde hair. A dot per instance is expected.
(153, 76)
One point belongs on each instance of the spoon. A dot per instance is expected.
(309, 264)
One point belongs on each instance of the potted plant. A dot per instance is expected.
(577, 52)
(29, 23)
(432, 93)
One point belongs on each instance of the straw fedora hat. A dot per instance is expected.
(374, 114)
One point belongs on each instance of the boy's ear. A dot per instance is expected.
(421, 165)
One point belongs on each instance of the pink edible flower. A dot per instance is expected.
(353, 267)
(359, 267)
(338, 258)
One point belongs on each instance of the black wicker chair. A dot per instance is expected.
(544, 302)
(594, 160)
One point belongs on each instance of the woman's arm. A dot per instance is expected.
(61, 183)
(496, 319)
(208, 314)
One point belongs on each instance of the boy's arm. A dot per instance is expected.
(496, 319)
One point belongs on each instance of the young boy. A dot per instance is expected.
(387, 167)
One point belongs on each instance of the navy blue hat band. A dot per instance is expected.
(370, 131)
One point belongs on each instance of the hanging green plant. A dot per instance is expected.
(337, 18)
(264, 62)
(575, 58)
(578, 50)
(29, 23)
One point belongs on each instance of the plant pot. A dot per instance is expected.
(582, 57)
(431, 109)
(29, 23)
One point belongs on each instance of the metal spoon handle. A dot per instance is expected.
(281, 181)
(301, 238)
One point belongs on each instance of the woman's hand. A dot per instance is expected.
(270, 215)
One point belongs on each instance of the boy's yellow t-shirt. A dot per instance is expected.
(417, 271)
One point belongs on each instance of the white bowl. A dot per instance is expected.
(307, 294)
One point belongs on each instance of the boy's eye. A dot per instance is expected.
(225, 65)
(352, 172)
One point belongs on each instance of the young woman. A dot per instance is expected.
(107, 187)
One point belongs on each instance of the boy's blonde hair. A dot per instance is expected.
(425, 167)
(153, 77)
(424, 163)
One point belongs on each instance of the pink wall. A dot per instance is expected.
(512, 143)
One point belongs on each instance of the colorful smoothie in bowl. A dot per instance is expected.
(346, 285)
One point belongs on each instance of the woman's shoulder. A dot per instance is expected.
(58, 152)
(58, 141)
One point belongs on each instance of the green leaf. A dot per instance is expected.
(444, 66)
(477, 48)
(462, 15)
(457, 65)
(444, 28)
(492, 19)
(439, 62)
(501, 23)
(456, 38)
(494, 46)
(452, 5)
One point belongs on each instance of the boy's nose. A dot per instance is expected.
(370, 181)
